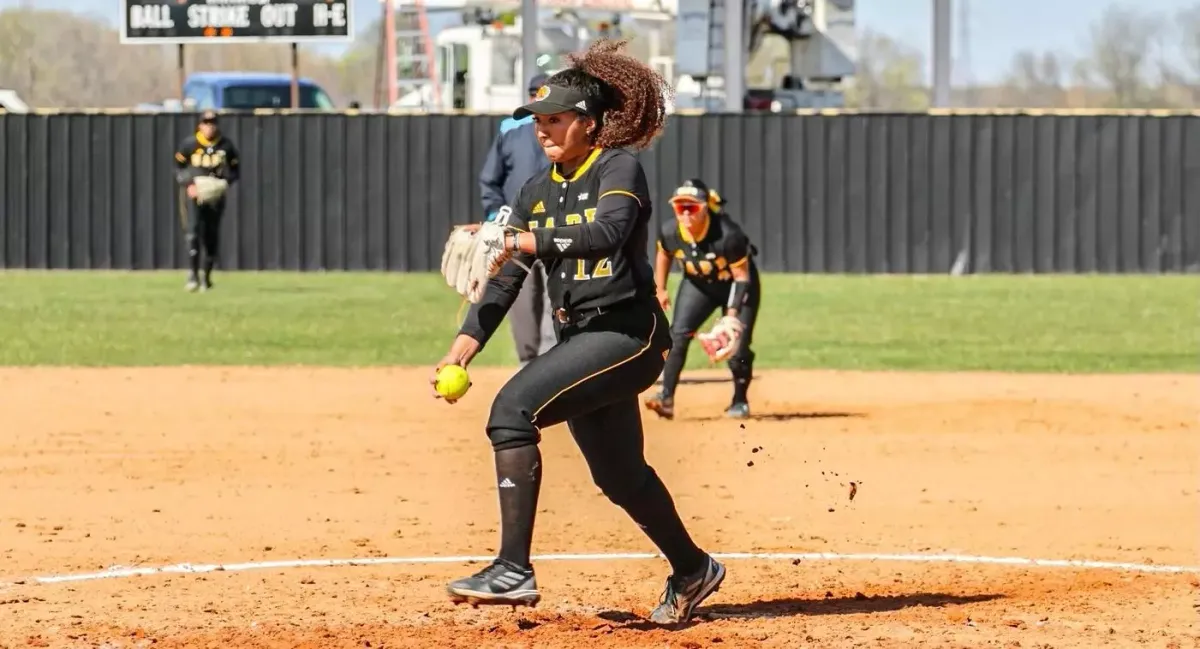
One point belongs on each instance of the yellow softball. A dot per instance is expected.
(452, 382)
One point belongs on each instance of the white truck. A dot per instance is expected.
(479, 65)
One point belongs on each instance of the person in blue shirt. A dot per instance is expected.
(515, 157)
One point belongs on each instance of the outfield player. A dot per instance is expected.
(207, 152)
(588, 221)
(718, 273)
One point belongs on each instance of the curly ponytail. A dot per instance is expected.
(629, 97)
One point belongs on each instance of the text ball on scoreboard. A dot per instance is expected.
(183, 21)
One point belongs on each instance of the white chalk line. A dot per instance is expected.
(120, 572)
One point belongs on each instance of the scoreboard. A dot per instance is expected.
(218, 21)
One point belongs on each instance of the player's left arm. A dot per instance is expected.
(738, 252)
(233, 162)
(618, 204)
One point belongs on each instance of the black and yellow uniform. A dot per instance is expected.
(592, 233)
(708, 262)
(196, 156)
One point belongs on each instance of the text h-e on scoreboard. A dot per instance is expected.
(218, 21)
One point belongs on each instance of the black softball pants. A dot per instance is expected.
(591, 380)
(203, 227)
(692, 307)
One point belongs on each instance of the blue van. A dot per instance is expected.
(251, 90)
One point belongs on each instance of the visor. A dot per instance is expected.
(550, 100)
(690, 194)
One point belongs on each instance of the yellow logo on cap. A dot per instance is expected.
(542, 93)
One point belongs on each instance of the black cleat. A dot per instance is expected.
(664, 407)
(683, 594)
(738, 410)
(501, 583)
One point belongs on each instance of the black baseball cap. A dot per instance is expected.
(691, 191)
(553, 99)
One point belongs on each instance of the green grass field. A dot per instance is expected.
(1026, 323)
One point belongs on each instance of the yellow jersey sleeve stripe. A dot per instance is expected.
(741, 262)
(622, 192)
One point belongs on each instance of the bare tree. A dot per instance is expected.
(1187, 39)
(1121, 47)
(1036, 80)
(889, 76)
(60, 59)
(1187, 25)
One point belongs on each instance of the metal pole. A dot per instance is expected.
(942, 30)
(181, 68)
(735, 61)
(529, 39)
(295, 76)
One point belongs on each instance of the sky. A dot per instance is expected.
(997, 28)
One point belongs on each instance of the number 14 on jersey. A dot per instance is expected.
(584, 269)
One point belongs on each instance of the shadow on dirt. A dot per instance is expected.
(779, 416)
(701, 380)
(795, 606)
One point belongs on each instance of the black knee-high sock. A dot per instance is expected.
(194, 258)
(519, 476)
(674, 365)
(653, 509)
(743, 371)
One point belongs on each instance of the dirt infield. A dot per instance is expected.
(153, 467)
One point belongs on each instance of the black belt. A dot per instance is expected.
(568, 316)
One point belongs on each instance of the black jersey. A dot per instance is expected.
(706, 261)
(592, 232)
(198, 156)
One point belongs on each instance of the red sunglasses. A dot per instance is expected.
(687, 208)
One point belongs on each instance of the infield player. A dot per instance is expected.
(588, 221)
(207, 152)
(717, 260)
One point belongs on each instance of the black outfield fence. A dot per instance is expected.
(847, 192)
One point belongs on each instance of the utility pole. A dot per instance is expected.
(735, 60)
(943, 14)
(529, 39)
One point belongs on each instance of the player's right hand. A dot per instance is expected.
(461, 352)
(191, 191)
(664, 299)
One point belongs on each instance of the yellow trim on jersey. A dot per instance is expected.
(203, 141)
(686, 235)
(649, 342)
(556, 177)
(622, 192)
(741, 262)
